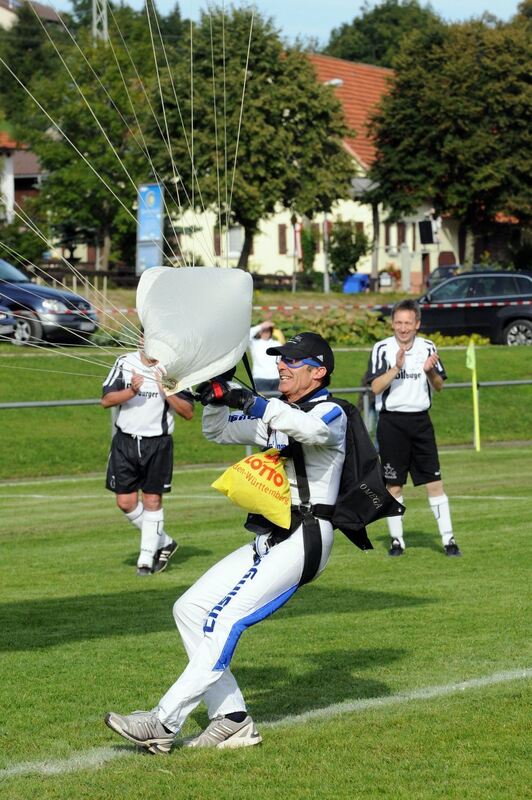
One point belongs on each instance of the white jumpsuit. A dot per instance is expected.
(241, 590)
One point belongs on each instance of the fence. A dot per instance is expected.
(364, 390)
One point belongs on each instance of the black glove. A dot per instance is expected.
(218, 393)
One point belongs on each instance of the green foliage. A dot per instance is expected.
(19, 245)
(346, 246)
(375, 36)
(27, 51)
(309, 248)
(455, 341)
(454, 129)
(285, 149)
(91, 145)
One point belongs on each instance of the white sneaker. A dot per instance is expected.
(143, 728)
(224, 733)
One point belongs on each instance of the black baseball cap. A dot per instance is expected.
(306, 345)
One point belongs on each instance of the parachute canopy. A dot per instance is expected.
(196, 320)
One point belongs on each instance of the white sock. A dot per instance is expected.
(152, 524)
(136, 516)
(395, 526)
(442, 514)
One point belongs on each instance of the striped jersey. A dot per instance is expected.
(410, 391)
(148, 412)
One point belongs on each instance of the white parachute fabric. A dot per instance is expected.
(196, 320)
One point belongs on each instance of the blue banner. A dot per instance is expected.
(150, 225)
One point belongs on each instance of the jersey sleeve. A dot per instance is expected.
(115, 380)
(323, 425)
(440, 369)
(233, 427)
(378, 362)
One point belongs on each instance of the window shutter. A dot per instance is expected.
(315, 228)
(282, 239)
(217, 242)
(401, 233)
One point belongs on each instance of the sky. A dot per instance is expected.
(317, 18)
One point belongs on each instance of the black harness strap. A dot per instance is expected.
(305, 515)
(245, 361)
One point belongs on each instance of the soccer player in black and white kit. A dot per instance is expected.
(141, 456)
(404, 370)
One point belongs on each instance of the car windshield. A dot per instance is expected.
(10, 273)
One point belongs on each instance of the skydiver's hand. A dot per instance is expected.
(219, 393)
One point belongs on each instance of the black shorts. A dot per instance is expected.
(144, 463)
(407, 445)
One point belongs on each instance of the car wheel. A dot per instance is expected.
(518, 332)
(28, 329)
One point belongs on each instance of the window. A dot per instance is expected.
(524, 284)
(458, 289)
(494, 286)
(235, 241)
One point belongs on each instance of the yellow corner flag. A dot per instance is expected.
(471, 358)
(471, 363)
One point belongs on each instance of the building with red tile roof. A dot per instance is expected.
(359, 88)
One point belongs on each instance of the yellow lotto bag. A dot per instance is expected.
(258, 484)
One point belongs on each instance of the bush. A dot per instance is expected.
(341, 327)
(346, 246)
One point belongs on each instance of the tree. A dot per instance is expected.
(374, 37)
(89, 142)
(26, 49)
(346, 246)
(287, 145)
(455, 128)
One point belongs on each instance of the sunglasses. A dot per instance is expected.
(296, 363)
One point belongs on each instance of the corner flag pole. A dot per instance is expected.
(471, 363)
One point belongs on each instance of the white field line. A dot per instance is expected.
(93, 759)
(85, 478)
(486, 498)
(167, 498)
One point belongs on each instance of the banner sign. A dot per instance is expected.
(150, 226)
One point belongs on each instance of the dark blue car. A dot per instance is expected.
(7, 323)
(42, 312)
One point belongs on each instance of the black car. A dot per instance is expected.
(42, 312)
(495, 304)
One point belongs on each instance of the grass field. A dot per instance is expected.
(75, 440)
(387, 678)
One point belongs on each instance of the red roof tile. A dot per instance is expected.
(361, 89)
(6, 142)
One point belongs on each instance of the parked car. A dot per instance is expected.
(42, 312)
(495, 304)
(442, 274)
(7, 323)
